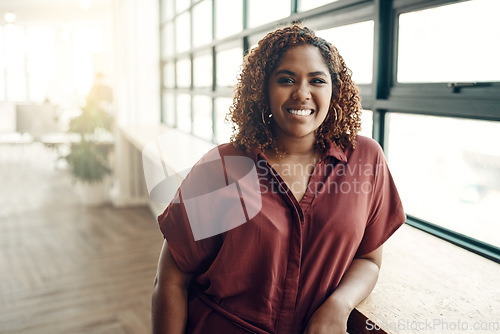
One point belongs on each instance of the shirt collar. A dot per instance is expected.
(336, 152)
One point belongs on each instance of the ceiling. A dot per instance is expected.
(52, 10)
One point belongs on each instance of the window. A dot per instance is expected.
(202, 70)
(229, 17)
(184, 112)
(183, 73)
(202, 117)
(309, 4)
(223, 128)
(348, 40)
(202, 23)
(457, 43)
(429, 80)
(228, 66)
(183, 32)
(265, 11)
(448, 171)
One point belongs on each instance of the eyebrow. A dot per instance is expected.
(311, 74)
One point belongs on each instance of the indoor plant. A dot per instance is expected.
(88, 157)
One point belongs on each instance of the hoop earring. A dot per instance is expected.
(263, 120)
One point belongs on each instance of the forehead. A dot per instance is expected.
(305, 56)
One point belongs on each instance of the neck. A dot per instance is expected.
(298, 147)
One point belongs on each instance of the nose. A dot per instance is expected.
(301, 93)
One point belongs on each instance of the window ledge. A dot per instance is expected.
(428, 285)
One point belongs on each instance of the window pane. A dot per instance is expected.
(181, 5)
(169, 109)
(366, 123)
(202, 117)
(182, 32)
(169, 75)
(202, 71)
(458, 42)
(168, 40)
(183, 73)
(448, 172)
(184, 112)
(228, 66)
(265, 11)
(202, 21)
(167, 7)
(309, 4)
(355, 45)
(223, 130)
(226, 25)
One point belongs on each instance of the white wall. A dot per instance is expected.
(137, 62)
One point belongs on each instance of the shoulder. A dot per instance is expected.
(228, 149)
(366, 149)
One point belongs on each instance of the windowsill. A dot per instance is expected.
(426, 284)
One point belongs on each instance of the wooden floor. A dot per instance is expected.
(65, 268)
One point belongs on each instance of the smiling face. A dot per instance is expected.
(300, 89)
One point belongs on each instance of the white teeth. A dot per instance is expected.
(302, 112)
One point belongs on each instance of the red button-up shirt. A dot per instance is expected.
(271, 273)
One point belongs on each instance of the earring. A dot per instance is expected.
(263, 120)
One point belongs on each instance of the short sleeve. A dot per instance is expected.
(190, 256)
(386, 212)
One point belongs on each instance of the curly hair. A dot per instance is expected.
(251, 99)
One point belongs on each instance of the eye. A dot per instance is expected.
(318, 81)
(285, 80)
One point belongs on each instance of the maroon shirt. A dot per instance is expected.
(271, 273)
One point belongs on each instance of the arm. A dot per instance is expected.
(169, 302)
(356, 285)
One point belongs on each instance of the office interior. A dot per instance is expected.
(81, 260)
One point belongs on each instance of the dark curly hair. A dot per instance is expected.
(251, 99)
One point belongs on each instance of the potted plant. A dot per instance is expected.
(88, 158)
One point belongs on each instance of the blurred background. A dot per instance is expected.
(85, 85)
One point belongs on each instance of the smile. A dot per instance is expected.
(300, 112)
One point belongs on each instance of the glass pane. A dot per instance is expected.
(182, 32)
(169, 109)
(366, 123)
(355, 45)
(202, 117)
(309, 4)
(228, 66)
(168, 40)
(202, 71)
(202, 23)
(184, 112)
(265, 11)
(226, 25)
(458, 42)
(223, 130)
(169, 75)
(448, 172)
(184, 73)
(167, 7)
(181, 5)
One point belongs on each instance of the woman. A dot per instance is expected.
(314, 250)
